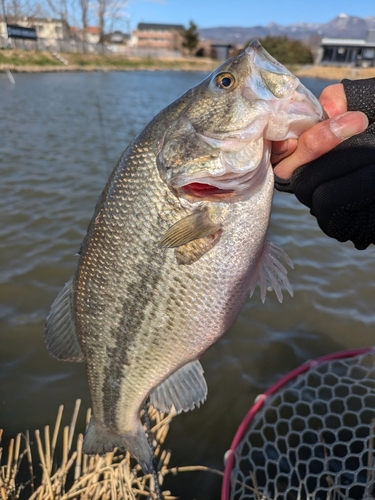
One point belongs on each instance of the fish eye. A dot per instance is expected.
(225, 81)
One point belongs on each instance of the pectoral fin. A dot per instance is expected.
(193, 227)
(60, 333)
(193, 251)
(269, 269)
(183, 390)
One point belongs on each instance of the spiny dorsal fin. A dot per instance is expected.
(193, 227)
(183, 390)
(269, 269)
(60, 332)
(193, 251)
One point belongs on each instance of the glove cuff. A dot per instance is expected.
(283, 185)
(360, 96)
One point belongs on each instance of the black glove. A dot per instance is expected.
(339, 187)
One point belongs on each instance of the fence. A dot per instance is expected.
(54, 45)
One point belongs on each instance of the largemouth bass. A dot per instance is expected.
(176, 244)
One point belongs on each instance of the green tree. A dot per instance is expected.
(287, 51)
(191, 37)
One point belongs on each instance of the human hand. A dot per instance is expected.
(330, 173)
(288, 155)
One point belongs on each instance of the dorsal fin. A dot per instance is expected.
(183, 390)
(60, 332)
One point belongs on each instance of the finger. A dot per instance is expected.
(282, 149)
(320, 139)
(333, 100)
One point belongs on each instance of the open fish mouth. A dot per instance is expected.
(205, 191)
(230, 186)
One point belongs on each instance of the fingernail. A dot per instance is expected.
(348, 124)
(279, 147)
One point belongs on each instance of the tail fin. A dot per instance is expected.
(100, 440)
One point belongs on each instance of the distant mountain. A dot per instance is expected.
(342, 26)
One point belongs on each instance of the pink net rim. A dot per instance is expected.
(260, 400)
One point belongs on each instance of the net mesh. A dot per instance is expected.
(313, 439)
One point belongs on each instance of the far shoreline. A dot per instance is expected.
(92, 69)
(18, 61)
(320, 72)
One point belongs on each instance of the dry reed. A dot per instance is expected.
(114, 476)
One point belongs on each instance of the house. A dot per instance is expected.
(221, 51)
(159, 36)
(348, 51)
(118, 37)
(90, 35)
(118, 42)
(46, 28)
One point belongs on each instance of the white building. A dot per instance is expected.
(348, 51)
(46, 28)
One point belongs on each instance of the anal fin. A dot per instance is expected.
(182, 390)
(269, 269)
(60, 331)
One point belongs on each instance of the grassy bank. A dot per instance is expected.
(333, 72)
(38, 61)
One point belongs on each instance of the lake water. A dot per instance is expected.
(60, 136)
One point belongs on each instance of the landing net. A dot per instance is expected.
(311, 436)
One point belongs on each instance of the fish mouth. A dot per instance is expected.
(228, 187)
(205, 191)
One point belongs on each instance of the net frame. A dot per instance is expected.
(261, 399)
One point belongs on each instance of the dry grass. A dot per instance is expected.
(333, 72)
(31, 61)
(74, 475)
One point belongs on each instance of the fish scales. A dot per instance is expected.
(176, 243)
(132, 318)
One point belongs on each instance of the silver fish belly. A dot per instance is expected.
(176, 244)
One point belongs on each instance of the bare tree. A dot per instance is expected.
(84, 5)
(21, 8)
(116, 13)
(102, 6)
(59, 8)
(109, 12)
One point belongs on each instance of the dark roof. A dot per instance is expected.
(156, 27)
(227, 45)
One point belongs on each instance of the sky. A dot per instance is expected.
(245, 13)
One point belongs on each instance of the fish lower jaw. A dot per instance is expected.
(228, 187)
